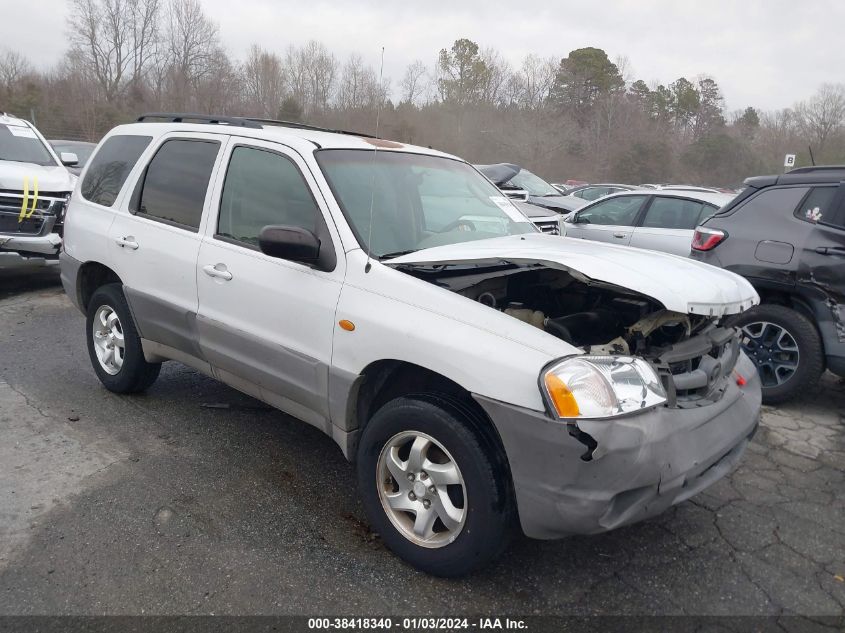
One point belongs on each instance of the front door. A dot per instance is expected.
(266, 324)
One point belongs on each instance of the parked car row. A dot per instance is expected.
(786, 237)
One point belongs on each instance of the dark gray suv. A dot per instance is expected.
(786, 235)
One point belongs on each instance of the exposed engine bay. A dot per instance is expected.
(691, 352)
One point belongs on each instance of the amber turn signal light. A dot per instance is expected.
(562, 398)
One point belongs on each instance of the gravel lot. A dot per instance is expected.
(196, 499)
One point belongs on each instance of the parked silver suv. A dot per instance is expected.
(478, 372)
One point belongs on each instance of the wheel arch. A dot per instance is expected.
(384, 380)
(92, 275)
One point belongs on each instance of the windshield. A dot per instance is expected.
(20, 144)
(533, 184)
(83, 151)
(417, 201)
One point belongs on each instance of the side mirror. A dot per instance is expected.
(69, 159)
(289, 242)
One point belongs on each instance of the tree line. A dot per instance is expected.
(581, 116)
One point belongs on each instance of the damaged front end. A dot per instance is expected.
(694, 355)
(31, 223)
(653, 405)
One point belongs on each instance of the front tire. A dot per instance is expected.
(433, 486)
(786, 348)
(114, 345)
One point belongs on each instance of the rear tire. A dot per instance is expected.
(474, 515)
(114, 345)
(786, 348)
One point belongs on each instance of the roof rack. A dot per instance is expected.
(250, 122)
(306, 126)
(813, 168)
(187, 117)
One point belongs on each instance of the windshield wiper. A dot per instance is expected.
(396, 254)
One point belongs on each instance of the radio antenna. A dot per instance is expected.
(369, 265)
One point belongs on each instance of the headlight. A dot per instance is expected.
(602, 386)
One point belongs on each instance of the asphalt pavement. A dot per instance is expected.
(196, 499)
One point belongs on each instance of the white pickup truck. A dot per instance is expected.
(479, 373)
(35, 185)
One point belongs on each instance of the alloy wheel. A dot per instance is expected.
(773, 350)
(421, 489)
(109, 343)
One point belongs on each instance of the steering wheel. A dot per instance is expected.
(456, 226)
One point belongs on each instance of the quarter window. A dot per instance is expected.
(263, 188)
(675, 213)
(816, 207)
(619, 211)
(176, 182)
(111, 166)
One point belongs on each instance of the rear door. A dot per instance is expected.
(609, 220)
(155, 241)
(668, 224)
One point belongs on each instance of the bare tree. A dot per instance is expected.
(413, 82)
(822, 115)
(146, 18)
(535, 81)
(13, 67)
(320, 72)
(192, 45)
(496, 77)
(101, 35)
(263, 81)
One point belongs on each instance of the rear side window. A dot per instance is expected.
(110, 167)
(176, 182)
(675, 213)
(771, 203)
(816, 207)
(263, 188)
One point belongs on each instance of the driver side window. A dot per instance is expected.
(263, 188)
(621, 211)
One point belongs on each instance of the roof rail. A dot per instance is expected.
(811, 169)
(306, 126)
(187, 117)
(250, 122)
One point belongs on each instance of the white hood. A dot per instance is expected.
(51, 179)
(680, 284)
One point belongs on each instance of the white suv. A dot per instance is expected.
(480, 374)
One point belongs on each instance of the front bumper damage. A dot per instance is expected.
(638, 467)
(31, 225)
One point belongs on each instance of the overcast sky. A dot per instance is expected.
(765, 53)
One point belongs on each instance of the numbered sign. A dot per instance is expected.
(789, 161)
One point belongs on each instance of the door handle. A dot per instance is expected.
(620, 235)
(218, 270)
(127, 242)
(830, 250)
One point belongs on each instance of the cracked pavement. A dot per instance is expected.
(196, 499)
